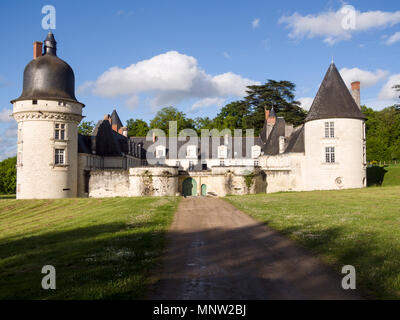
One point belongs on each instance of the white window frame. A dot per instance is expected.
(59, 158)
(60, 131)
(255, 151)
(329, 129)
(330, 155)
(191, 151)
(160, 152)
(222, 152)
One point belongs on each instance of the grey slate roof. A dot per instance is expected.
(296, 140)
(271, 147)
(333, 99)
(115, 119)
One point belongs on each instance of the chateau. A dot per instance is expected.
(327, 152)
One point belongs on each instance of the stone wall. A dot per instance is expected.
(109, 183)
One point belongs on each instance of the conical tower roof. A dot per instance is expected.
(333, 99)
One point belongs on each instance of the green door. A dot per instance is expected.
(203, 190)
(189, 187)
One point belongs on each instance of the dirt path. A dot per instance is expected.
(215, 251)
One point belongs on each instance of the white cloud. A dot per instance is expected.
(393, 39)
(387, 91)
(132, 102)
(255, 23)
(367, 78)
(306, 103)
(334, 26)
(5, 115)
(169, 78)
(207, 102)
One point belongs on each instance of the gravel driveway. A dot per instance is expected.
(214, 251)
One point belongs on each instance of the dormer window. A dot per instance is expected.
(191, 152)
(34, 101)
(160, 152)
(59, 132)
(222, 152)
(329, 129)
(255, 151)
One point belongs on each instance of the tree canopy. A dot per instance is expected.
(8, 176)
(86, 127)
(137, 128)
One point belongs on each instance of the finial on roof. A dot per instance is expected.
(333, 61)
(50, 44)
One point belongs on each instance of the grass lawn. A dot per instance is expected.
(101, 248)
(392, 176)
(349, 227)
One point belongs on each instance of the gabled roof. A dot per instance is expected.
(333, 99)
(271, 147)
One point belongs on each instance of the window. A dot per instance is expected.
(256, 163)
(34, 101)
(160, 151)
(191, 151)
(59, 156)
(330, 154)
(178, 164)
(255, 151)
(204, 166)
(329, 129)
(59, 133)
(222, 152)
(222, 163)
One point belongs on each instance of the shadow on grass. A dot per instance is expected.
(106, 261)
(375, 175)
(7, 196)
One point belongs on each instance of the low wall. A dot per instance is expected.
(138, 181)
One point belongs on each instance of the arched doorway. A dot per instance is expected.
(189, 187)
(203, 190)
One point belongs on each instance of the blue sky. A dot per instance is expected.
(199, 55)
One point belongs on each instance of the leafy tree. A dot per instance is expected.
(137, 128)
(162, 118)
(203, 123)
(234, 115)
(86, 127)
(277, 94)
(8, 176)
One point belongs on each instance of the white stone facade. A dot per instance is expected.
(38, 176)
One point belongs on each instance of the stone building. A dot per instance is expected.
(54, 161)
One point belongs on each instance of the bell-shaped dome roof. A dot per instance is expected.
(48, 77)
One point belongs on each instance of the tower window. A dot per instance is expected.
(59, 133)
(330, 154)
(329, 129)
(59, 156)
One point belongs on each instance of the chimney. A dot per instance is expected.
(37, 49)
(154, 136)
(355, 92)
(266, 114)
(125, 131)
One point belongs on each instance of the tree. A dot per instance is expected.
(8, 176)
(277, 94)
(203, 123)
(162, 118)
(234, 115)
(86, 128)
(137, 128)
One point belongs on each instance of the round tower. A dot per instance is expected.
(48, 114)
(334, 138)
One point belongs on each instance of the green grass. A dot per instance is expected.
(392, 176)
(350, 227)
(101, 248)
